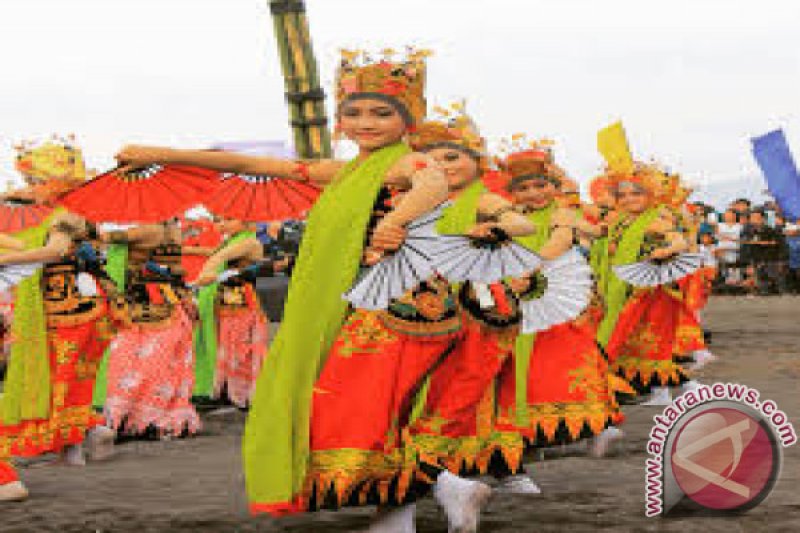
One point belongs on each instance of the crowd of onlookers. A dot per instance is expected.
(756, 248)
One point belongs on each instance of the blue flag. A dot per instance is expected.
(775, 159)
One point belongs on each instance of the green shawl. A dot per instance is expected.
(613, 289)
(205, 332)
(276, 438)
(117, 269)
(523, 346)
(26, 393)
(462, 214)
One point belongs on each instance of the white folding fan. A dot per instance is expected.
(653, 273)
(11, 275)
(567, 294)
(460, 259)
(401, 271)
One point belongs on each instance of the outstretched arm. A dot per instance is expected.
(56, 248)
(318, 172)
(9, 242)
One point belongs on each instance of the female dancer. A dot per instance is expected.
(644, 329)
(151, 363)
(234, 329)
(556, 389)
(340, 439)
(61, 326)
(453, 428)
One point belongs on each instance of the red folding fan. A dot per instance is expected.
(16, 217)
(260, 198)
(148, 195)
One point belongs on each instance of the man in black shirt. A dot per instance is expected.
(761, 249)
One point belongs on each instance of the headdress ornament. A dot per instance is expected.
(400, 81)
(522, 159)
(452, 127)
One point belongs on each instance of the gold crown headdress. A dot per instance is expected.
(665, 187)
(452, 127)
(58, 158)
(523, 159)
(402, 80)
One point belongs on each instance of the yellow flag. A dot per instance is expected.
(613, 144)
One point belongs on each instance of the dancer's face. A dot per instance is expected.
(459, 168)
(536, 193)
(371, 124)
(632, 199)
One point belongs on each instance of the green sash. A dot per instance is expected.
(462, 214)
(523, 346)
(117, 269)
(276, 438)
(26, 392)
(613, 289)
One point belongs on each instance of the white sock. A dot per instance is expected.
(461, 500)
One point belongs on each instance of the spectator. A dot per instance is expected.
(728, 234)
(791, 232)
(760, 249)
(742, 209)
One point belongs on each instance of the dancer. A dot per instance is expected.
(454, 421)
(233, 326)
(61, 326)
(352, 450)
(151, 363)
(644, 329)
(556, 388)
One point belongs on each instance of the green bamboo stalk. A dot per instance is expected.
(306, 111)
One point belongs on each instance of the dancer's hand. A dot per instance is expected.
(137, 156)
(482, 231)
(661, 253)
(388, 237)
(520, 285)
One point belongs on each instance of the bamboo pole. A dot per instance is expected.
(301, 79)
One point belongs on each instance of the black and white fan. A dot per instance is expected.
(460, 259)
(11, 275)
(401, 271)
(652, 273)
(567, 293)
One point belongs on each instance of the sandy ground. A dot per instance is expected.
(195, 485)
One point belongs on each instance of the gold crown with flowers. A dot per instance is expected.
(58, 158)
(402, 79)
(665, 187)
(522, 158)
(452, 126)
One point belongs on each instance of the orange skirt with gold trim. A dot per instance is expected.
(655, 331)
(360, 453)
(568, 392)
(458, 416)
(75, 354)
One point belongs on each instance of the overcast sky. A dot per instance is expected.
(692, 80)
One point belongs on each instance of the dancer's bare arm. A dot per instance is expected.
(318, 172)
(501, 210)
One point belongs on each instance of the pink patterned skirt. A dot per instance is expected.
(242, 337)
(151, 377)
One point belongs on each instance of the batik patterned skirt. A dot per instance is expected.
(151, 376)
(362, 402)
(655, 333)
(457, 414)
(76, 345)
(242, 337)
